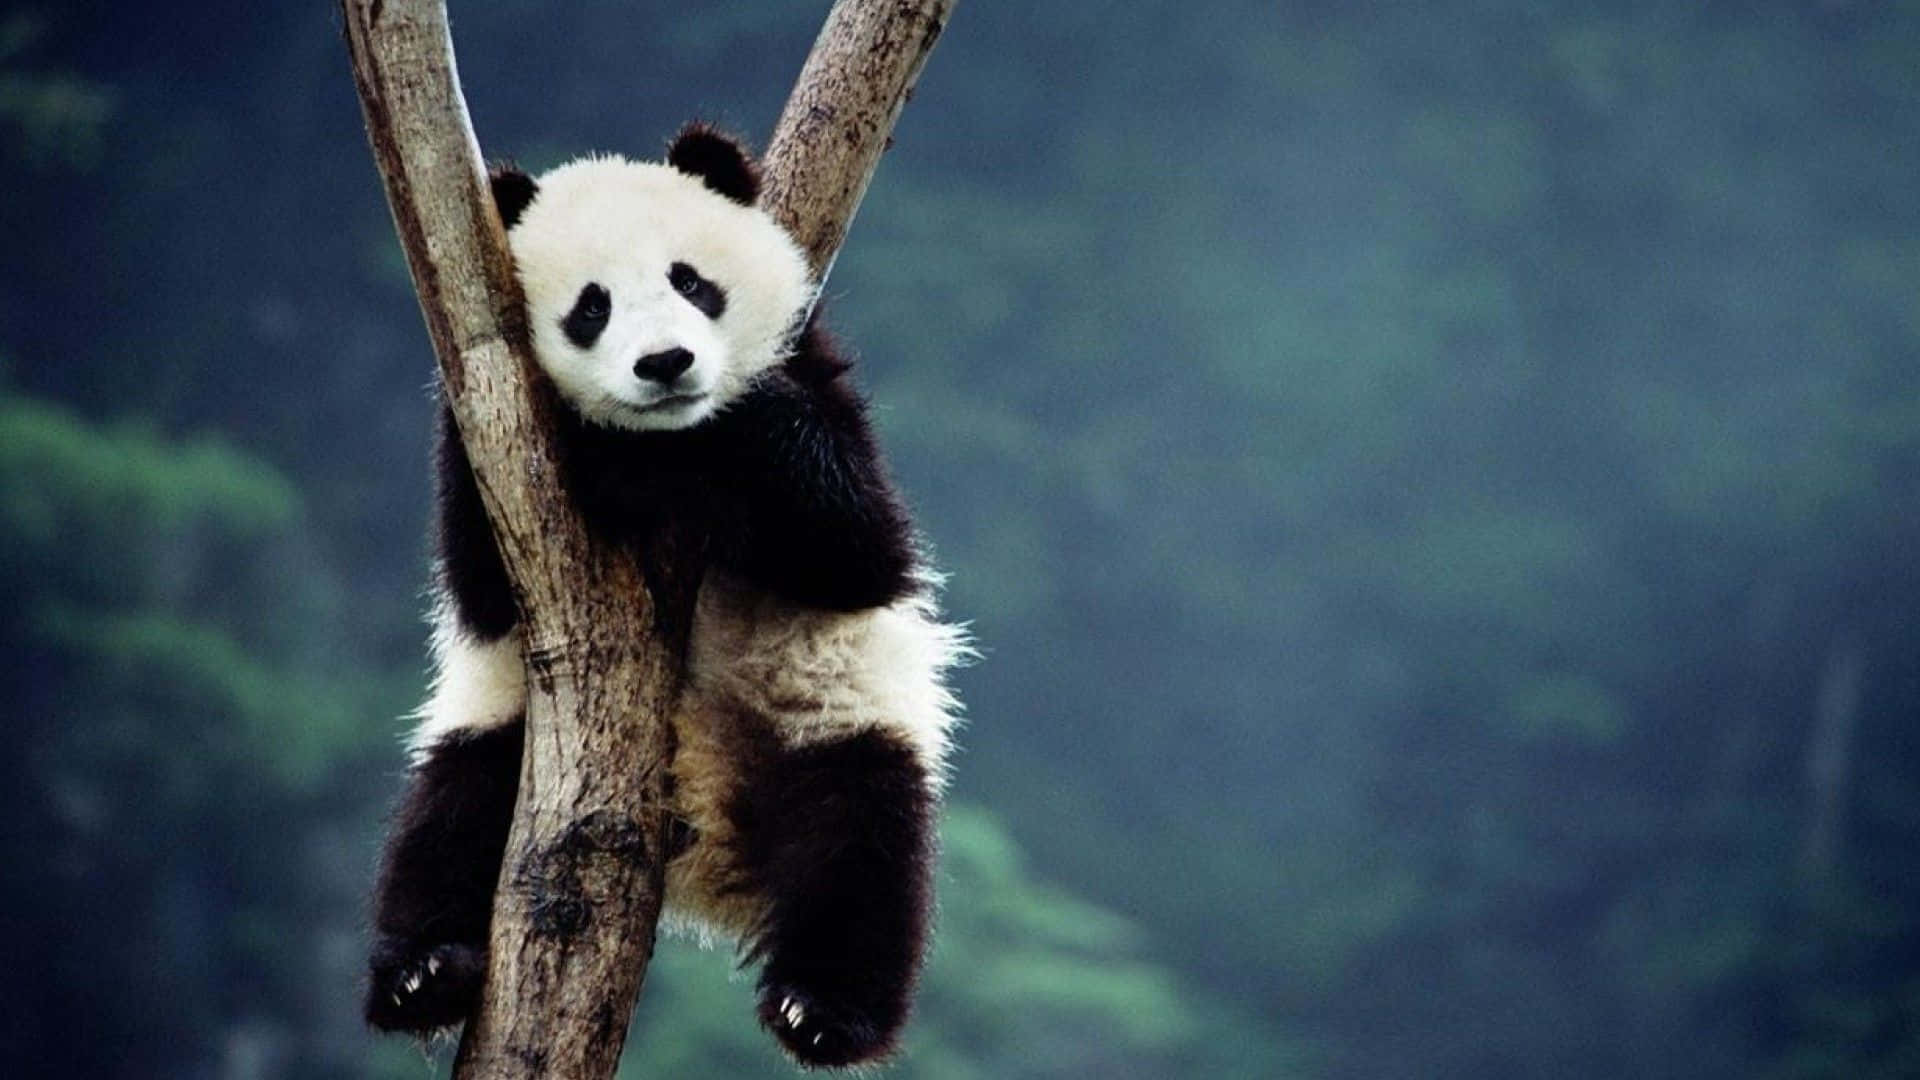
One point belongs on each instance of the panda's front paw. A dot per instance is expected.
(819, 1031)
(421, 989)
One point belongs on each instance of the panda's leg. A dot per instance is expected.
(434, 899)
(435, 893)
(840, 836)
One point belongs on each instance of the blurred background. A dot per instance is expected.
(1435, 488)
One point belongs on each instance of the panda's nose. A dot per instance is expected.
(663, 366)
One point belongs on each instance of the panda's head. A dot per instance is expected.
(655, 291)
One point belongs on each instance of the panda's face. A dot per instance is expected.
(654, 299)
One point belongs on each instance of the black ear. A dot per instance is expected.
(718, 160)
(512, 191)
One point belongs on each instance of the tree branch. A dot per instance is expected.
(581, 884)
(840, 117)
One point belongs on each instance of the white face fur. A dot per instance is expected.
(625, 263)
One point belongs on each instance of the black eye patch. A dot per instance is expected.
(704, 295)
(589, 316)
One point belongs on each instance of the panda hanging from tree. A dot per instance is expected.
(664, 307)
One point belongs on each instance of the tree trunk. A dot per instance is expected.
(580, 887)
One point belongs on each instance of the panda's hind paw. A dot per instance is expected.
(422, 989)
(819, 1032)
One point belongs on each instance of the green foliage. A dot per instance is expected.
(68, 482)
(166, 740)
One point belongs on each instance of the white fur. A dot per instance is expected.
(622, 225)
(477, 685)
(822, 675)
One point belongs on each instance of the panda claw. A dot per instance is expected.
(821, 1032)
(423, 989)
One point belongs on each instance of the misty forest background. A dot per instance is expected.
(1435, 487)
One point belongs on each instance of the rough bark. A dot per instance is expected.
(840, 116)
(581, 885)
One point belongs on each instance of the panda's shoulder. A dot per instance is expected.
(817, 361)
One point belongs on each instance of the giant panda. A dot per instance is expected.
(665, 307)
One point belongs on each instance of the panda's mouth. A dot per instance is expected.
(672, 402)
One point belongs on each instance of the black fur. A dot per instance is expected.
(588, 319)
(839, 836)
(707, 298)
(471, 571)
(437, 875)
(718, 160)
(512, 191)
(813, 516)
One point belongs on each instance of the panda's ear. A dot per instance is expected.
(718, 160)
(512, 191)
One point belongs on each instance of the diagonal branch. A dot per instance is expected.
(581, 885)
(840, 117)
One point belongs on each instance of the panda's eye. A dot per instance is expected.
(589, 315)
(698, 291)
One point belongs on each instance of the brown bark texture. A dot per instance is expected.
(581, 885)
(840, 117)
